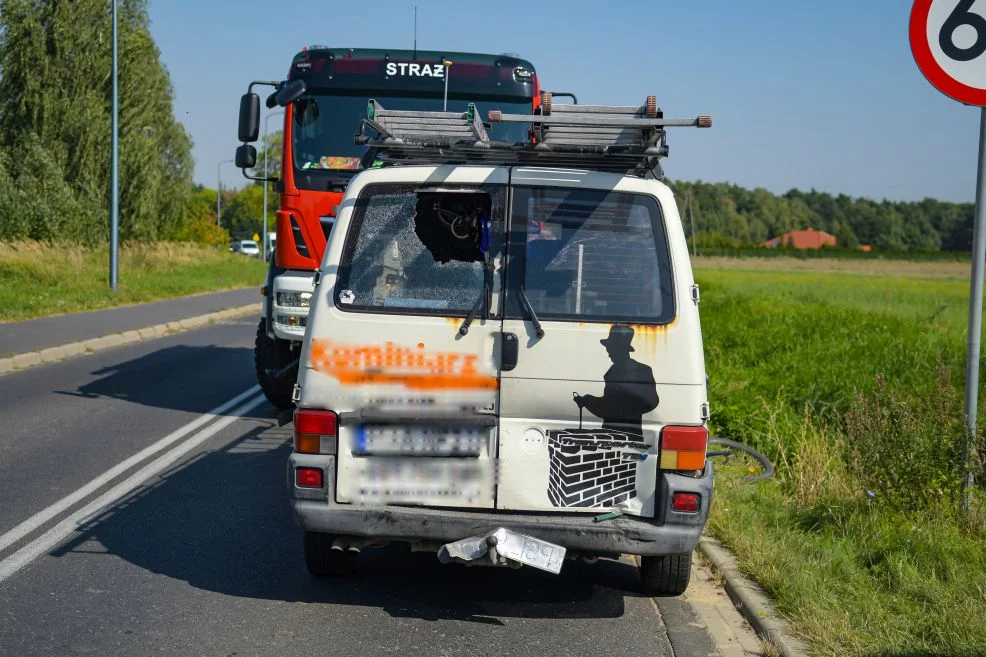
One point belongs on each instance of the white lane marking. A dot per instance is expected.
(43, 516)
(66, 527)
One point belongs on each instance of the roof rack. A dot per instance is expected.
(621, 139)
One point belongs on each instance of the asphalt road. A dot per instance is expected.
(202, 558)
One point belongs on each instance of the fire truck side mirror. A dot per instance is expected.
(249, 128)
(290, 92)
(246, 156)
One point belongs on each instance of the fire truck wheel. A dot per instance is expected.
(323, 561)
(273, 355)
(666, 575)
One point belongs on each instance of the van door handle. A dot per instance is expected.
(508, 352)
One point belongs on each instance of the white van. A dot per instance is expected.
(246, 247)
(504, 364)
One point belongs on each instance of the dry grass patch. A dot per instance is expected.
(39, 279)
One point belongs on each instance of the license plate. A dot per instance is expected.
(530, 551)
(420, 441)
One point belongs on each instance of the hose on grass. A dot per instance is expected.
(768, 467)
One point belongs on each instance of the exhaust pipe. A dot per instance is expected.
(342, 545)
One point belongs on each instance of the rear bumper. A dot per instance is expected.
(578, 533)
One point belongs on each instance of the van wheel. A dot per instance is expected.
(323, 561)
(667, 574)
(271, 354)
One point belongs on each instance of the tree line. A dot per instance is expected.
(729, 216)
(732, 217)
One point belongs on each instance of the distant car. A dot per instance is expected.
(246, 247)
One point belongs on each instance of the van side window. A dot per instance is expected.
(592, 255)
(401, 258)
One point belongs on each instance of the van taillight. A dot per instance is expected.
(684, 502)
(308, 477)
(315, 432)
(683, 448)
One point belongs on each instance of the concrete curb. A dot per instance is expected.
(72, 349)
(751, 601)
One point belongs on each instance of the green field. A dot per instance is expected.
(851, 381)
(38, 279)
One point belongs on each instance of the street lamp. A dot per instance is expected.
(219, 190)
(266, 150)
(115, 164)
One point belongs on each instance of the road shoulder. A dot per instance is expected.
(750, 601)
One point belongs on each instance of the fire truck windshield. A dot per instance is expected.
(324, 124)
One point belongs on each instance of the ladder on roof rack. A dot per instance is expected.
(622, 139)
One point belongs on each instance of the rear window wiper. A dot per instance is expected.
(484, 297)
(480, 302)
(526, 303)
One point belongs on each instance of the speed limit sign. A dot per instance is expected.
(948, 39)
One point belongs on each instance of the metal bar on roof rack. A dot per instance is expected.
(702, 121)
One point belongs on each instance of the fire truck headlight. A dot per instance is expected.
(294, 299)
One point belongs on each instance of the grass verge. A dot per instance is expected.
(38, 280)
(851, 384)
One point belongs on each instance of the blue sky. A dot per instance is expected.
(817, 94)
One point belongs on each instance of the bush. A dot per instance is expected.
(910, 456)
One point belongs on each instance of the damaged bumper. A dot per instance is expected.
(579, 533)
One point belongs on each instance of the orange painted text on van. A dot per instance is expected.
(394, 364)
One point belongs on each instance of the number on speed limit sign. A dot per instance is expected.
(948, 39)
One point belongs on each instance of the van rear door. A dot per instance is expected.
(415, 393)
(581, 406)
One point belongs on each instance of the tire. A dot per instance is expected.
(666, 575)
(271, 354)
(323, 561)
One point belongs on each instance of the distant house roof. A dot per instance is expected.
(803, 239)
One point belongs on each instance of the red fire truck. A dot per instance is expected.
(325, 94)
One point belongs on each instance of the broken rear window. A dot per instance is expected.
(417, 251)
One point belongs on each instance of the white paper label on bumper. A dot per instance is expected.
(529, 550)
(421, 480)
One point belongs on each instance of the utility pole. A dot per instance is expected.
(692, 217)
(219, 193)
(115, 165)
(219, 190)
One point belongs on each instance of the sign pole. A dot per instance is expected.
(939, 32)
(975, 314)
